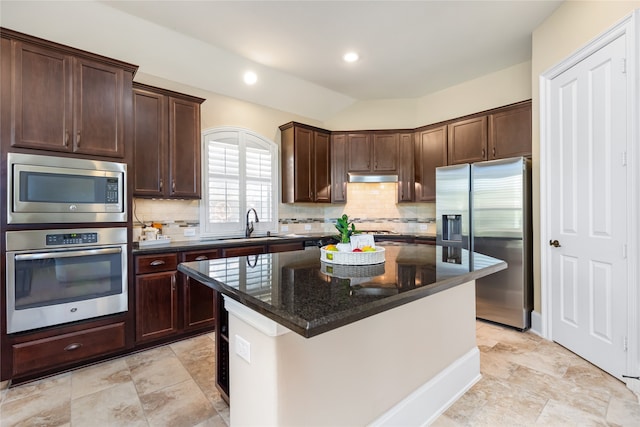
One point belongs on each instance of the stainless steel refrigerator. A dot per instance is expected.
(486, 207)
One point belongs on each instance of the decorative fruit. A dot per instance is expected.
(357, 250)
(331, 248)
(368, 249)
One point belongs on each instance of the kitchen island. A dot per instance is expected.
(313, 343)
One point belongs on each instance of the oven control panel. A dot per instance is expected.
(71, 238)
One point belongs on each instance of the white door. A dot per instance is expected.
(587, 207)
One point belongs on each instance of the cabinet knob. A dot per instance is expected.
(483, 153)
(493, 151)
(78, 139)
(173, 185)
(201, 258)
(161, 184)
(157, 262)
(66, 138)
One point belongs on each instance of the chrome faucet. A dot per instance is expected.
(249, 227)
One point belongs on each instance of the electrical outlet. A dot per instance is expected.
(424, 226)
(189, 232)
(284, 228)
(243, 348)
(307, 227)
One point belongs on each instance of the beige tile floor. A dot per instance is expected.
(526, 381)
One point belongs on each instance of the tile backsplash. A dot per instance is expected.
(371, 206)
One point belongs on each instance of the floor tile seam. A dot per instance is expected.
(586, 414)
(147, 416)
(112, 385)
(38, 392)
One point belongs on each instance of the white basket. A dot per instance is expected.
(352, 258)
(352, 271)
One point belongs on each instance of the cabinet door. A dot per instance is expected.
(431, 152)
(468, 141)
(184, 146)
(359, 152)
(406, 175)
(42, 106)
(510, 132)
(98, 109)
(149, 143)
(198, 299)
(303, 164)
(385, 152)
(156, 305)
(321, 167)
(338, 168)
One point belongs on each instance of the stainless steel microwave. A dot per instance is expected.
(47, 189)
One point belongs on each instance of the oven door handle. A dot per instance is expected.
(67, 254)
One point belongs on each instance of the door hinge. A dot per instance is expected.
(624, 251)
(623, 158)
(623, 66)
(625, 344)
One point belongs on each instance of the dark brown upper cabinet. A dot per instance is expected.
(406, 170)
(339, 176)
(65, 100)
(467, 141)
(430, 153)
(373, 152)
(166, 143)
(306, 164)
(510, 132)
(499, 134)
(358, 152)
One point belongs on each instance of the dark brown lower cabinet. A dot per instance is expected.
(65, 349)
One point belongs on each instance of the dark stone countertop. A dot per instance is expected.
(310, 297)
(188, 245)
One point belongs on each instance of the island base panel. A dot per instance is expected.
(405, 365)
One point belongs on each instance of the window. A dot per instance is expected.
(239, 173)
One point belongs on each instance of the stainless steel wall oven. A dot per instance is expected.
(64, 275)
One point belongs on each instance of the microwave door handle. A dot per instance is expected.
(67, 254)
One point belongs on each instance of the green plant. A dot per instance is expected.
(345, 228)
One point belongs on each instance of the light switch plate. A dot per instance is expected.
(189, 232)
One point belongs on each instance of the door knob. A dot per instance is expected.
(554, 243)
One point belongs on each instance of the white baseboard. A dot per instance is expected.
(536, 323)
(428, 402)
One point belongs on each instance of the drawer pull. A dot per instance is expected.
(157, 263)
(201, 258)
(73, 346)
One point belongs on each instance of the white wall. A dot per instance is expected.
(503, 87)
(571, 27)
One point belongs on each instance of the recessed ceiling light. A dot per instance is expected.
(250, 78)
(350, 57)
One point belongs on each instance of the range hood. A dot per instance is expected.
(367, 177)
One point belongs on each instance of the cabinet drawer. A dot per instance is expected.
(68, 348)
(201, 255)
(284, 247)
(243, 251)
(156, 263)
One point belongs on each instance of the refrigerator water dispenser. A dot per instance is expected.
(452, 228)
